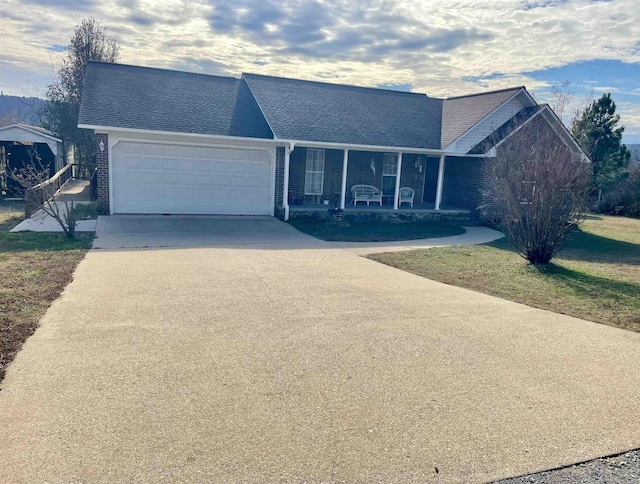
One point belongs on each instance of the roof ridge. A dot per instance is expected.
(336, 84)
(162, 69)
(485, 93)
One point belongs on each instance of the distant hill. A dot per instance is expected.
(18, 109)
(635, 152)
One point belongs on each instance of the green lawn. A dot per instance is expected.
(373, 231)
(596, 276)
(34, 269)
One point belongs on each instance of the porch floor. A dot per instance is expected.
(417, 208)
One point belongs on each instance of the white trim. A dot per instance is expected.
(440, 182)
(356, 147)
(396, 190)
(545, 108)
(288, 149)
(343, 186)
(307, 171)
(30, 130)
(568, 133)
(192, 143)
(110, 145)
(106, 129)
(476, 126)
(268, 141)
(243, 78)
(274, 162)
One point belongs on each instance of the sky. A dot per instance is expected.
(439, 47)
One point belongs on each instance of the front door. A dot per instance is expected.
(431, 180)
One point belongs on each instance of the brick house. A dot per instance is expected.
(174, 142)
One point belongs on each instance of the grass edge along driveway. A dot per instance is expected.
(595, 277)
(34, 270)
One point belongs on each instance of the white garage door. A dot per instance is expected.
(163, 178)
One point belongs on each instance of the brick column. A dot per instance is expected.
(102, 162)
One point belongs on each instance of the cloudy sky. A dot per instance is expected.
(439, 47)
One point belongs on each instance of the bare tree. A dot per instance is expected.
(40, 191)
(561, 97)
(562, 102)
(537, 191)
(90, 42)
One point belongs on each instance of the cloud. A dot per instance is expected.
(74, 5)
(440, 47)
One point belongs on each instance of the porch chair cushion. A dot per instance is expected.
(366, 193)
(406, 195)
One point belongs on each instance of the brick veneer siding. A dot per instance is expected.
(278, 208)
(358, 173)
(332, 177)
(464, 180)
(102, 162)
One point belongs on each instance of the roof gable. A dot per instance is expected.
(34, 134)
(123, 96)
(460, 114)
(316, 111)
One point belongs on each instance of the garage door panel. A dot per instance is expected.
(158, 178)
(187, 165)
(151, 163)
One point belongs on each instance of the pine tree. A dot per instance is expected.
(600, 136)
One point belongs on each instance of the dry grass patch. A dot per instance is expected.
(595, 277)
(34, 269)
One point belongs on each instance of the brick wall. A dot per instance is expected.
(102, 162)
(359, 172)
(464, 180)
(332, 177)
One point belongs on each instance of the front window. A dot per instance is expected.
(314, 177)
(389, 172)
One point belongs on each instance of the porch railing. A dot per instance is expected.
(36, 196)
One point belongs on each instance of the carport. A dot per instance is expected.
(21, 145)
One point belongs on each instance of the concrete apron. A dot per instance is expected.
(298, 361)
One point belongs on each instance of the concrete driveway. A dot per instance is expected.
(270, 356)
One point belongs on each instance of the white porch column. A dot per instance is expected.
(440, 182)
(343, 188)
(396, 194)
(285, 182)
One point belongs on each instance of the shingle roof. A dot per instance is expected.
(316, 111)
(459, 114)
(124, 96)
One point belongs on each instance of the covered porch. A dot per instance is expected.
(317, 179)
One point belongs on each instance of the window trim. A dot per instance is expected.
(321, 152)
(393, 175)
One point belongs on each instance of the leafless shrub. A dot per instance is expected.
(537, 191)
(39, 191)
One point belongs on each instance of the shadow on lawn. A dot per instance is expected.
(595, 248)
(586, 285)
(584, 246)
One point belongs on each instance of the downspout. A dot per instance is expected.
(289, 147)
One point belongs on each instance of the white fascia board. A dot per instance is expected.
(475, 126)
(547, 109)
(111, 129)
(29, 130)
(565, 130)
(279, 142)
(357, 147)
